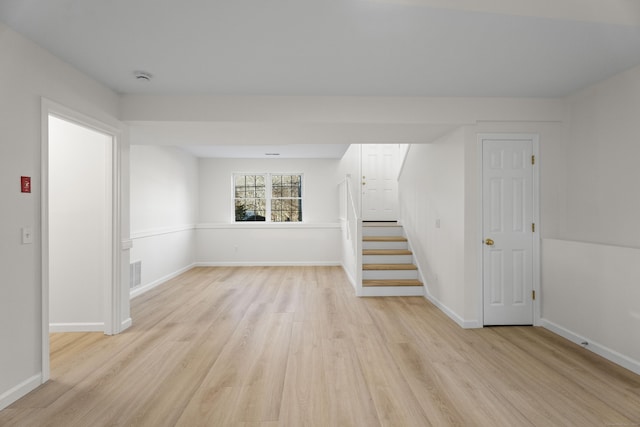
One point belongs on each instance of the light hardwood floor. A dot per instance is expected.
(293, 346)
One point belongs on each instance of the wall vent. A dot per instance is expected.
(135, 274)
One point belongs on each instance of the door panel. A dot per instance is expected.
(507, 221)
(380, 182)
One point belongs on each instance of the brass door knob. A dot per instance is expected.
(489, 242)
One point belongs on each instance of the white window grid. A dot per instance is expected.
(268, 195)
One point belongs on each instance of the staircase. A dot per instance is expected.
(388, 268)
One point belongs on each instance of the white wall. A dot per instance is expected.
(591, 294)
(432, 188)
(222, 242)
(351, 164)
(349, 171)
(602, 170)
(164, 211)
(590, 282)
(79, 226)
(320, 202)
(28, 73)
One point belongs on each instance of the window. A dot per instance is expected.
(267, 197)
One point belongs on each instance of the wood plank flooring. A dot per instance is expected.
(293, 346)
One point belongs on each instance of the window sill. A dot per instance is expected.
(267, 225)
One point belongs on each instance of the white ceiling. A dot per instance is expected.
(494, 48)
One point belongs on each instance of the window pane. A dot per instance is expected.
(250, 203)
(276, 186)
(286, 210)
(251, 197)
(250, 210)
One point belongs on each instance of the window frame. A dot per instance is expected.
(268, 197)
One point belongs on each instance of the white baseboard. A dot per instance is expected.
(76, 327)
(145, 288)
(126, 324)
(15, 393)
(607, 353)
(268, 264)
(465, 324)
(352, 280)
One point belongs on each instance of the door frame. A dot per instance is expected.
(112, 290)
(535, 142)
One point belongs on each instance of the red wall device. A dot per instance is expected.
(25, 184)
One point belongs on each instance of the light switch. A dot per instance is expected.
(27, 235)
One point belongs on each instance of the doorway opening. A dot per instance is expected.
(80, 226)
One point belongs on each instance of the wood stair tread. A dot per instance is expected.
(386, 252)
(389, 267)
(384, 239)
(394, 282)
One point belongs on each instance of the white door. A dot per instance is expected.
(380, 182)
(508, 231)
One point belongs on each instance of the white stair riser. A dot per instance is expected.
(385, 245)
(381, 231)
(392, 291)
(387, 259)
(389, 274)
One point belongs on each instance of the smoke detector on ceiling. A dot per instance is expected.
(142, 76)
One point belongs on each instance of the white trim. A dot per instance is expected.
(126, 244)
(112, 309)
(76, 327)
(535, 142)
(268, 264)
(403, 160)
(268, 194)
(44, 236)
(139, 290)
(20, 390)
(352, 280)
(126, 324)
(392, 291)
(161, 231)
(466, 324)
(267, 225)
(607, 353)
